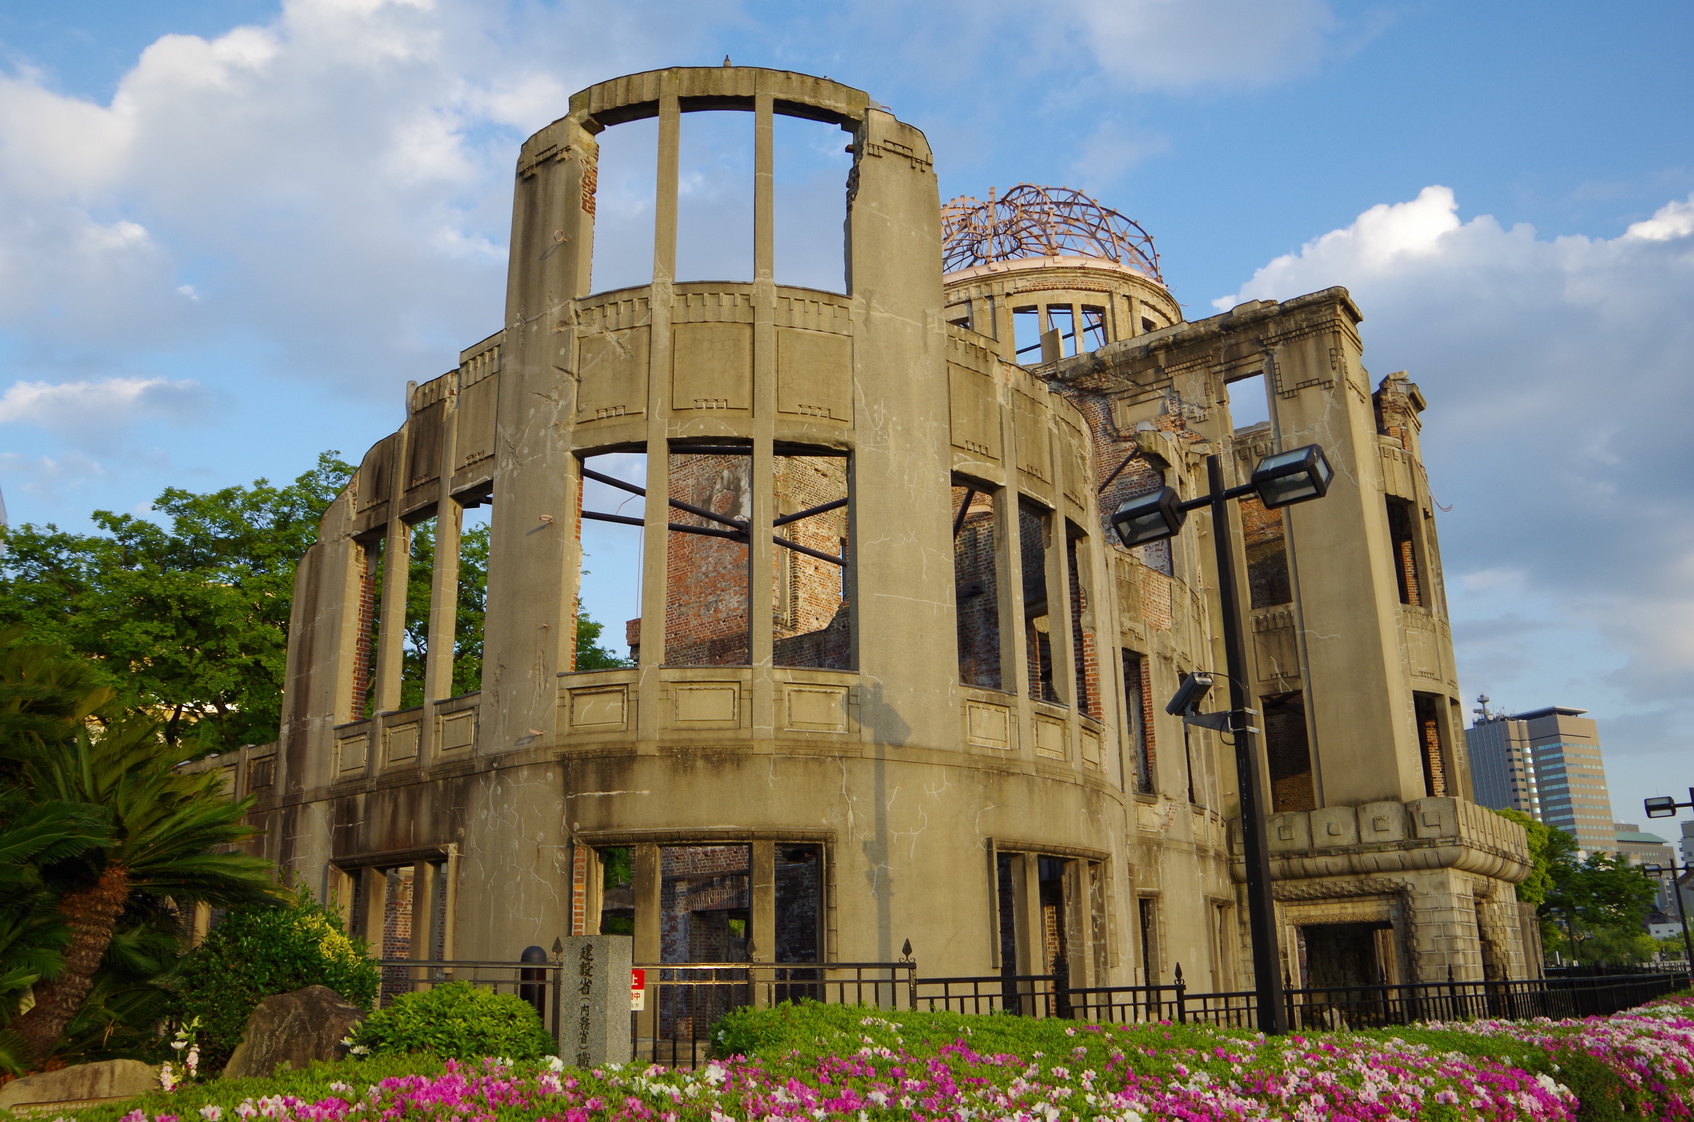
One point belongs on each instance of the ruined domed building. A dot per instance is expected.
(895, 679)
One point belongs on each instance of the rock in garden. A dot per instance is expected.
(291, 1030)
(82, 1083)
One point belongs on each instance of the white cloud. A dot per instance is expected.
(95, 409)
(1673, 220)
(334, 185)
(1557, 373)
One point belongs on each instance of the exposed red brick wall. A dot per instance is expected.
(1288, 753)
(1429, 735)
(977, 592)
(364, 647)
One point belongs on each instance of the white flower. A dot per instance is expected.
(211, 1113)
(554, 1064)
(713, 1074)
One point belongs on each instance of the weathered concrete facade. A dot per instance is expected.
(952, 729)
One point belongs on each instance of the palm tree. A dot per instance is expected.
(169, 834)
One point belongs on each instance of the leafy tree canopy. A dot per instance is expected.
(184, 615)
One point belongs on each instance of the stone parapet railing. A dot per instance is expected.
(1390, 837)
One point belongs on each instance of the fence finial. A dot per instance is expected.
(1179, 973)
(906, 952)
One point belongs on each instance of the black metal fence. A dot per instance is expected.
(685, 1000)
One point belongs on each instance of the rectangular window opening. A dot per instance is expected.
(811, 618)
(617, 890)
(1431, 743)
(1083, 653)
(1248, 405)
(1288, 753)
(1035, 527)
(626, 177)
(1093, 327)
(714, 204)
(976, 585)
(1138, 716)
(810, 163)
(1403, 539)
(1061, 319)
(1026, 335)
(799, 904)
(370, 610)
(1147, 915)
(1265, 536)
(707, 565)
(420, 577)
(472, 611)
(611, 502)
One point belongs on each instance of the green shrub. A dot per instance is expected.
(257, 952)
(459, 1021)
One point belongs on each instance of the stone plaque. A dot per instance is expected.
(603, 708)
(594, 1028)
(402, 741)
(353, 752)
(988, 726)
(817, 708)
(457, 730)
(1049, 738)
(717, 702)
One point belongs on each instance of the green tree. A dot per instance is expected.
(165, 844)
(186, 616)
(1547, 847)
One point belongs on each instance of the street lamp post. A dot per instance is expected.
(1676, 871)
(1666, 806)
(1280, 480)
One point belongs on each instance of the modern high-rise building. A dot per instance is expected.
(1500, 762)
(1546, 763)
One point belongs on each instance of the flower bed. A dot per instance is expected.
(819, 1062)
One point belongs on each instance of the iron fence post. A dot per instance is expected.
(1181, 997)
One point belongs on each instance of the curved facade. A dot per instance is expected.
(948, 725)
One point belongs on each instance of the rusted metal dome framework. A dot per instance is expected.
(1034, 221)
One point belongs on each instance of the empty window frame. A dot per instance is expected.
(472, 606)
(1265, 537)
(626, 175)
(1288, 753)
(1084, 655)
(1134, 477)
(1402, 533)
(1432, 743)
(1138, 719)
(611, 503)
(365, 664)
(799, 877)
(714, 204)
(617, 890)
(810, 164)
(707, 589)
(1026, 335)
(1093, 327)
(420, 572)
(1147, 922)
(976, 586)
(811, 620)
(705, 902)
(1035, 529)
(1061, 318)
(1248, 405)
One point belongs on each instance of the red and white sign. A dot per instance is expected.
(637, 990)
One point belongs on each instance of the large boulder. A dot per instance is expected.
(292, 1030)
(81, 1084)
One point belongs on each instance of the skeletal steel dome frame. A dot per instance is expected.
(1034, 221)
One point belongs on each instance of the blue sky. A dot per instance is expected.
(231, 230)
